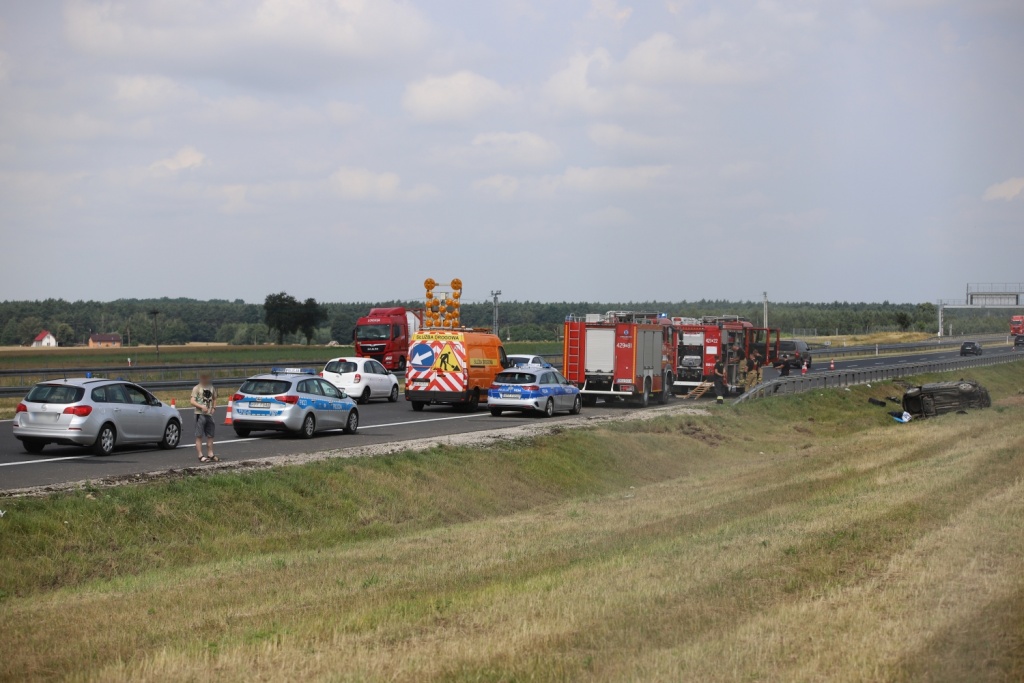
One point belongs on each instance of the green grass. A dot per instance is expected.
(800, 538)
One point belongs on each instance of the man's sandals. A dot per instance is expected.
(209, 458)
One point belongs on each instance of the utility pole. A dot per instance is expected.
(494, 325)
(156, 337)
(765, 324)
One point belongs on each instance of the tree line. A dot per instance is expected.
(282, 318)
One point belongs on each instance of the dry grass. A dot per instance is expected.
(799, 539)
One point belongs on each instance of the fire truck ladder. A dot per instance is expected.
(573, 343)
(700, 390)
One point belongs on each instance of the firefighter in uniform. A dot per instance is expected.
(754, 362)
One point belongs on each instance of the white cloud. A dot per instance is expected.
(185, 158)
(518, 149)
(660, 60)
(344, 113)
(5, 66)
(150, 92)
(576, 179)
(615, 137)
(249, 38)
(459, 97)
(501, 186)
(571, 87)
(610, 9)
(364, 184)
(609, 178)
(1006, 190)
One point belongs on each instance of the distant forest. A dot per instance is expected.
(183, 320)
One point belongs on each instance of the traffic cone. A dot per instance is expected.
(174, 403)
(227, 418)
(832, 364)
(803, 370)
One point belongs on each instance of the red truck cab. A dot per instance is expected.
(384, 334)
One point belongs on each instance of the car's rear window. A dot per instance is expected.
(55, 393)
(341, 367)
(515, 378)
(787, 346)
(265, 387)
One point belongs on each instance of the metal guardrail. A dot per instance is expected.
(934, 344)
(837, 379)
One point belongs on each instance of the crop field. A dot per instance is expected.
(800, 538)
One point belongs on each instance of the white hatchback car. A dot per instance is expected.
(361, 378)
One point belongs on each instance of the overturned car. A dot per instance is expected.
(929, 400)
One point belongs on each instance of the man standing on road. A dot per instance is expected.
(204, 400)
(721, 385)
(754, 362)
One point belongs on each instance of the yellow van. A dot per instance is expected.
(453, 367)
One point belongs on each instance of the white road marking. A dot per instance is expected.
(254, 438)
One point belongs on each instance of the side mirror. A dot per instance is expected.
(343, 394)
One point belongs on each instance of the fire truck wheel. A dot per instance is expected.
(549, 408)
(577, 406)
(590, 401)
(666, 391)
(644, 399)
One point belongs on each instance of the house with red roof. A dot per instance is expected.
(45, 338)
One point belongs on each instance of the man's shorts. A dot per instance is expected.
(204, 426)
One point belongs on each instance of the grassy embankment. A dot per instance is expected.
(803, 538)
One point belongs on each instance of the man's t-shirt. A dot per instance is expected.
(204, 396)
(720, 370)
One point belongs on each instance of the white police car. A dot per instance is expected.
(293, 400)
(540, 389)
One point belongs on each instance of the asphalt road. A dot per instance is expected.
(380, 422)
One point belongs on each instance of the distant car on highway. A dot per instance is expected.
(970, 348)
(535, 389)
(361, 378)
(96, 413)
(525, 359)
(1018, 342)
(292, 400)
(797, 351)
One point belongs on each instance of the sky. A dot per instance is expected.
(598, 150)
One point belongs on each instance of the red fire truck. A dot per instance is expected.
(384, 335)
(1017, 324)
(620, 354)
(703, 340)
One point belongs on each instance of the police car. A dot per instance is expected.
(533, 388)
(292, 400)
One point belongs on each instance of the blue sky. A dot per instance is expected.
(579, 150)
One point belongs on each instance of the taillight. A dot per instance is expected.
(292, 400)
(22, 408)
(78, 411)
(321, 374)
(531, 387)
(236, 398)
(359, 378)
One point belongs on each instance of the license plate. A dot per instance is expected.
(421, 381)
(510, 395)
(259, 406)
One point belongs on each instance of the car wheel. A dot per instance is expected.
(308, 427)
(401, 365)
(393, 396)
(364, 398)
(473, 403)
(33, 446)
(352, 424)
(577, 406)
(418, 406)
(242, 432)
(172, 435)
(496, 412)
(105, 440)
(549, 408)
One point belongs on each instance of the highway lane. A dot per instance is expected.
(380, 423)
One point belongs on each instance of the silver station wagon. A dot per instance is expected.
(96, 413)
